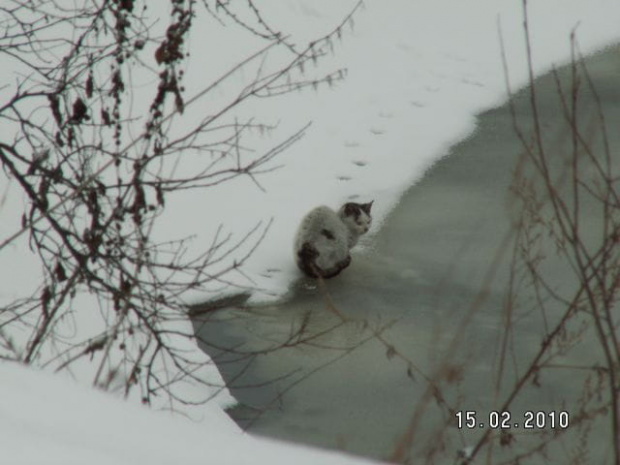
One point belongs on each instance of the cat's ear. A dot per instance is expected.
(366, 207)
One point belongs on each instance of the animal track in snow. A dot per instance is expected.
(269, 272)
(455, 57)
(472, 82)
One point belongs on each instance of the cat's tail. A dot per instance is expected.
(306, 260)
(337, 269)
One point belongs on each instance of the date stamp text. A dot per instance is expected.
(469, 419)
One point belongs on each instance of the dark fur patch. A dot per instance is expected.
(328, 234)
(307, 255)
(352, 209)
(355, 209)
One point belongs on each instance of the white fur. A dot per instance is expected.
(346, 232)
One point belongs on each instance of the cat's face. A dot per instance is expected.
(357, 216)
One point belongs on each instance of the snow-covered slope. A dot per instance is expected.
(46, 419)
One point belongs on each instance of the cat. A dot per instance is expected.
(324, 238)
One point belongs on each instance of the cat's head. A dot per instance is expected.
(356, 216)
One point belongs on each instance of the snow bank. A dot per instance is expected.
(48, 419)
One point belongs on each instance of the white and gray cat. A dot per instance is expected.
(324, 238)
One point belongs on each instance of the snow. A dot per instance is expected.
(417, 74)
(47, 419)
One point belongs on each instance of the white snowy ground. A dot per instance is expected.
(418, 73)
(45, 419)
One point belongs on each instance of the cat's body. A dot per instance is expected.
(325, 237)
